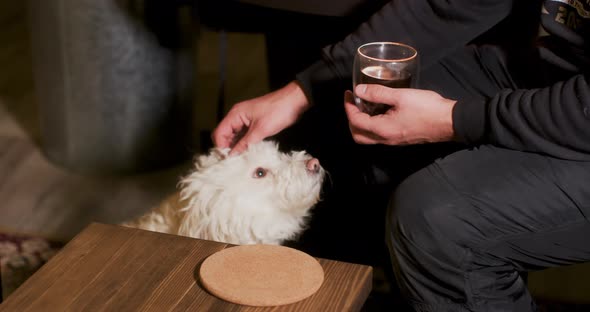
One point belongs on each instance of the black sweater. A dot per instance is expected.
(553, 119)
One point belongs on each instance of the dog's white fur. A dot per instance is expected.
(259, 196)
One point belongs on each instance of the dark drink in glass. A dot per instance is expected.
(390, 64)
(386, 77)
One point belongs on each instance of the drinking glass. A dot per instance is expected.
(390, 64)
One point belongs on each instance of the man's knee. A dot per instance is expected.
(425, 215)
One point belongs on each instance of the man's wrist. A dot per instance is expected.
(295, 92)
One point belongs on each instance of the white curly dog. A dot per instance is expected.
(261, 196)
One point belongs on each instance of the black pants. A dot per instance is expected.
(462, 229)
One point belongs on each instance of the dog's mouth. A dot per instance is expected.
(317, 177)
(317, 180)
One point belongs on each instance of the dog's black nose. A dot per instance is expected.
(313, 165)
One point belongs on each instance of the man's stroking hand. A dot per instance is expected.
(254, 120)
(415, 116)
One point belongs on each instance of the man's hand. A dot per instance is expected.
(254, 120)
(416, 116)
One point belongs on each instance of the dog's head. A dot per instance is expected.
(260, 196)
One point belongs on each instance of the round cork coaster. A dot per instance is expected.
(261, 275)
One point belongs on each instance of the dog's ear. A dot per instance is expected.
(214, 156)
(220, 153)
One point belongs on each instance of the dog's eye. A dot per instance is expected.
(260, 173)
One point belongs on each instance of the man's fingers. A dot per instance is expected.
(221, 138)
(358, 122)
(349, 104)
(223, 135)
(377, 93)
(251, 137)
(230, 130)
(364, 139)
(241, 146)
(356, 118)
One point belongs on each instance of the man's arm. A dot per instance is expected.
(326, 8)
(554, 120)
(433, 27)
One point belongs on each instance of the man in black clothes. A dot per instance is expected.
(508, 82)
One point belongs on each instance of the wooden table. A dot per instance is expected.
(113, 268)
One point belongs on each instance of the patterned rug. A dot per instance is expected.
(20, 257)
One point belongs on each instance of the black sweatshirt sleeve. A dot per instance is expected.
(433, 27)
(554, 120)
